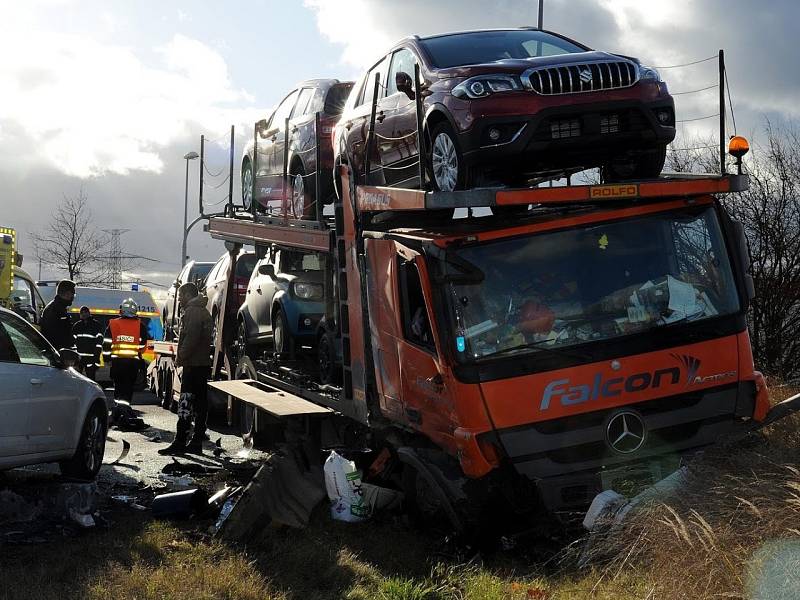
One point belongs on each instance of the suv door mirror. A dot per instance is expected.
(267, 269)
(404, 83)
(69, 358)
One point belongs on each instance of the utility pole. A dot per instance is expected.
(541, 14)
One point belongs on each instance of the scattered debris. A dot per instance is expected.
(126, 447)
(181, 468)
(85, 521)
(179, 482)
(181, 504)
(283, 492)
(15, 509)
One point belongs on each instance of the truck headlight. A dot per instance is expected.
(307, 291)
(485, 85)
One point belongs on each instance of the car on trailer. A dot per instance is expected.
(284, 302)
(504, 107)
(267, 158)
(195, 272)
(217, 280)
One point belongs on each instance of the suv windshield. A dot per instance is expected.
(559, 289)
(489, 46)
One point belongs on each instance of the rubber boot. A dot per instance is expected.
(196, 444)
(178, 445)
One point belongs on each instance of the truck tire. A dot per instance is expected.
(88, 457)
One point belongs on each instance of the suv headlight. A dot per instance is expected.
(649, 74)
(485, 85)
(307, 291)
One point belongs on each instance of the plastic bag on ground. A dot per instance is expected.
(343, 484)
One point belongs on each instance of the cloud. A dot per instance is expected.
(88, 107)
(759, 40)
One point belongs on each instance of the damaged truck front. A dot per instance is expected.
(574, 349)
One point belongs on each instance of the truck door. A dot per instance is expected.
(425, 396)
(404, 340)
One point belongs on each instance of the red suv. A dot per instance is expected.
(326, 96)
(506, 107)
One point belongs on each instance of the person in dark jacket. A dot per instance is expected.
(194, 355)
(55, 324)
(88, 334)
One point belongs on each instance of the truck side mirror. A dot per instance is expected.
(404, 83)
(267, 269)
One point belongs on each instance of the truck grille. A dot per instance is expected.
(582, 77)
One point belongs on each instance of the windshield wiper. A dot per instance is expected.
(539, 346)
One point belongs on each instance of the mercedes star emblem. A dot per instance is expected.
(625, 432)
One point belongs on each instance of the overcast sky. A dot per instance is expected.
(110, 95)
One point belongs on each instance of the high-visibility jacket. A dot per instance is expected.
(125, 338)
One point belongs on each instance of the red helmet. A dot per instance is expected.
(535, 317)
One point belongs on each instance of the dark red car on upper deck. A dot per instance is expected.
(506, 107)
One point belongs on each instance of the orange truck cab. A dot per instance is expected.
(582, 343)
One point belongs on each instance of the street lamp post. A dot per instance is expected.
(188, 156)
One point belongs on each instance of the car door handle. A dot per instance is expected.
(36, 382)
(258, 290)
(380, 117)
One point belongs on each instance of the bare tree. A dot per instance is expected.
(770, 213)
(70, 242)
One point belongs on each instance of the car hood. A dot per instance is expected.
(518, 65)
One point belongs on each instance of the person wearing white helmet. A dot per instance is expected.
(124, 342)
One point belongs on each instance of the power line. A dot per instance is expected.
(698, 118)
(689, 64)
(730, 103)
(703, 89)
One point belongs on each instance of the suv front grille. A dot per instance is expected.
(582, 77)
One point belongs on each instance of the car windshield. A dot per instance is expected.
(559, 289)
(300, 262)
(489, 46)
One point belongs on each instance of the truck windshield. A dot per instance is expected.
(559, 289)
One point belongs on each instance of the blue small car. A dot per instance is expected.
(284, 302)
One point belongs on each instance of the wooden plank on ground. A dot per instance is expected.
(273, 401)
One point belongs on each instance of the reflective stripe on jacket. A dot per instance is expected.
(124, 339)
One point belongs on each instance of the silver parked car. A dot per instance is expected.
(48, 411)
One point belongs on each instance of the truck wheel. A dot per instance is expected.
(445, 161)
(329, 370)
(281, 336)
(92, 445)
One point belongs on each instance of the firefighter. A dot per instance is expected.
(124, 342)
(194, 355)
(56, 325)
(89, 339)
